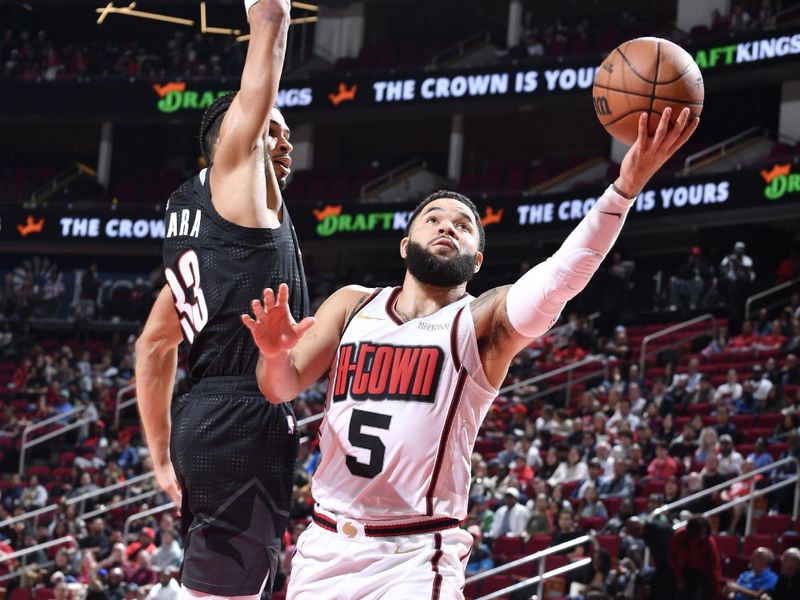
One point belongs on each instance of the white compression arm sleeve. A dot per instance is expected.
(534, 302)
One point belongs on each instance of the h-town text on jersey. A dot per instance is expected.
(367, 371)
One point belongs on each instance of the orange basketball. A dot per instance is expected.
(645, 75)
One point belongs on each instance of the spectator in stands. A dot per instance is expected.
(729, 392)
(144, 574)
(704, 394)
(618, 346)
(519, 416)
(790, 372)
(592, 478)
(481, 513)
(730, 461)
(511, 518)
(169, 553)
(663, 466)
(570, 471)
(724, 425)
(167, 587)
(773, 339)
(738, 490)
(507, 455)
(570, 353)
(144, 543)
(760, 579)
(746, 340)
(788, 584)
(760, 457)
(662, 400)
(539, 519)
(603, 455)
(13, 493)
(793, 345)
(591, 505)
(762, 389)
(685, 445)
(624, 413)
(34, 495)
(522, 471)
(708, 444)
(480, 558)
(619, 484)
(695, 561)
(787, 424)
(546, 421)
(567, 531)
(96, 538)
(550, 464)
(690, 280)
(594, 576)
(636, 399)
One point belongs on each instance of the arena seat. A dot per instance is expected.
(773, 524)
(612, 543)
(751, 542)
(727, 544)
(506, 548)
(536, 543)
(494, 583)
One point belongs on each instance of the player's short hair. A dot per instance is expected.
(211, 123)
(455, 196)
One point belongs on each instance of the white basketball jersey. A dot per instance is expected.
(404, 405)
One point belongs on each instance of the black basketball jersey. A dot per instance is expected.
(215, 268)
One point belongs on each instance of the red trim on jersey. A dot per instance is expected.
(448, 425)
(454, 339)
(390, 306)
(393, 529)
(437, 556)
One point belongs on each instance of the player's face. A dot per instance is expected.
(279, 134)
(442, 246)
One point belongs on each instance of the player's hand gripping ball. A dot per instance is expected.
(645, 75)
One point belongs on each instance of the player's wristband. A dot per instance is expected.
(621, 193)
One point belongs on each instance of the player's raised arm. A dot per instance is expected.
(156, 364)
(294, 355)
(507, 318)
(243, 127)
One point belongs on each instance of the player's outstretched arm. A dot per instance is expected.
(507, 318)
(156, 364)
(294, 355)
(244, 124)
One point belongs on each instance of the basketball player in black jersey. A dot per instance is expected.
(220, 451)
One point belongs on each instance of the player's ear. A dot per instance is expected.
(478, 261)
(404, 247)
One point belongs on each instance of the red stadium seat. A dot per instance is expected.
(773, 524)
(506, 548)
(20, 594)
(471, 590)
(751, 542)
(494, 583)
(789, 541)
(611, 543)
(589, 523)
(536, 543)
(728, 545)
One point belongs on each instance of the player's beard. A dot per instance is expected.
(430, 269)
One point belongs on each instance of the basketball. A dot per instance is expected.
(645, 75)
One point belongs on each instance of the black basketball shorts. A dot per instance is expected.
(234, 455)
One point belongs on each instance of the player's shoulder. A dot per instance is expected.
(353, 295)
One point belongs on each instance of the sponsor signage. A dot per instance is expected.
(374, 89)
(340, 220)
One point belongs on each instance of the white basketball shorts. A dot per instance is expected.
(348, 565)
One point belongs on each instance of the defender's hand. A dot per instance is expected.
(648, 154)
(274, 329)
(168, 481)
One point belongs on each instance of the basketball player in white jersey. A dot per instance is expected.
(413, 371)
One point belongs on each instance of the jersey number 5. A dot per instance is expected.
(372, 443)
(194, 316)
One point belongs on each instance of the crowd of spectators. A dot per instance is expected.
(33, 56)
(546, 468)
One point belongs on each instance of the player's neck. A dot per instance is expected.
(419, 299)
